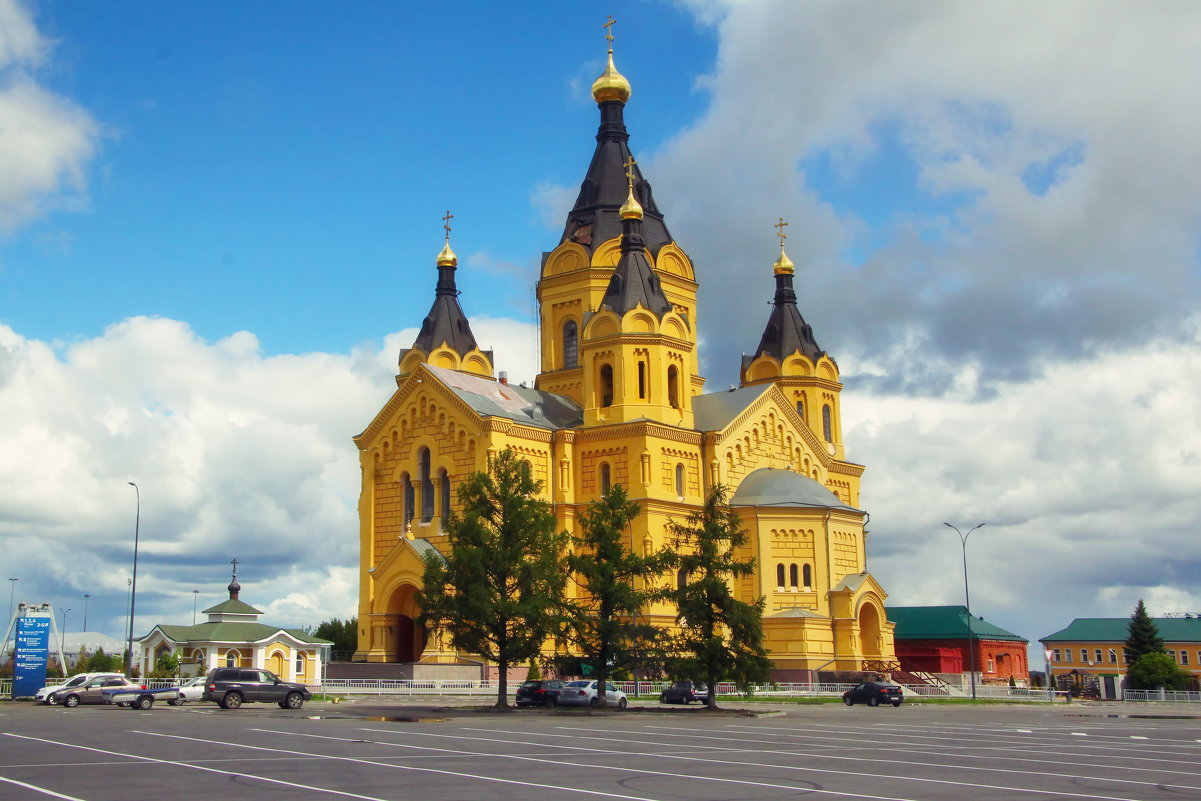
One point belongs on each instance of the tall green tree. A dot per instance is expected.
(499, 590)
(1142, 636)
(344, 634)
(615, 585)
(721, 637)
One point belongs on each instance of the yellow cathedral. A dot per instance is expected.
(619, 399)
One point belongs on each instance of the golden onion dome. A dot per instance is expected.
(631, 209)
(783, 264)
(611, 85)
(447, 257)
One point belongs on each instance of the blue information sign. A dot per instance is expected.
(33, 649)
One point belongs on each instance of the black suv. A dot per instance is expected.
(539, 693)
(231, 687)
(684, 692)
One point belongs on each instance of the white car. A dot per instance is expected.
(189, 691)
(583, 693)
(42, 696)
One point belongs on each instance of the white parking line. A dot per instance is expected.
(42, 790)
(173, 763)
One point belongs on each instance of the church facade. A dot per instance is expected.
(619, 400)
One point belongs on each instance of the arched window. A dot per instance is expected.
(827, 425)
(807, 576)
(407, 485)
(606, 385)
(673, 387)
(792, 576)
(444, 505)
(681, 578)
(571, 344)
(780, 575)
(427, 485)
(232, 658)
(680, 480)
(606, 479)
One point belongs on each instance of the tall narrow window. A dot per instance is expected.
(1067, 654)
(407, 485)
(605, 478)
(1113, 656)
(680, 480)
(1097, 652)
(780, 575)
(427, 485)
(444, 505)
(571, 344)
(606, 385)
(807, 576)
(673, 387)
(827, 425)
(681, 578)
(792, 576)
(642, 380)
(800, 408)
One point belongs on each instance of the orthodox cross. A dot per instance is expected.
(608, 26)
(780, 226)
(234, 562)
(446, 223)
(629, 165)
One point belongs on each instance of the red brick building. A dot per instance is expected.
(934, 639)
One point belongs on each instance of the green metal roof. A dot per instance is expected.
(1116, 629)
(233, 607)
(234, 632)
(943, 623)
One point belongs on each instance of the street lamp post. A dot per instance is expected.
(195, 597)
(1047, 654)
(86, 596)
(62, 637)
(133, 582)
(967, 600)
(12, 594)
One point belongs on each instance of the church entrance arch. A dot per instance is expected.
(407, 635)
(869, 630)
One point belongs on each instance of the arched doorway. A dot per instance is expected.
(869, 630)
(277, 663)
(407, 636)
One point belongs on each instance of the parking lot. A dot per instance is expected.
(369, 750)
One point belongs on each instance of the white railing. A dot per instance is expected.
(1163, 696)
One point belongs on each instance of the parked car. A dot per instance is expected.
(873, 693)
(684, 692)
(42, 696)
(544, 692)
(583, 693)
(93, 690)
(192, 690)
(231, 687)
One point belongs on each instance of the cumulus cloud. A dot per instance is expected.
(981, 183)
(46, 140)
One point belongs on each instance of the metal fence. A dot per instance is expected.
(1164, 696)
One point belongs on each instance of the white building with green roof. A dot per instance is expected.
(233, 637)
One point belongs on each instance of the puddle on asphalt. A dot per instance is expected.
(1145, 717)
(378, 718)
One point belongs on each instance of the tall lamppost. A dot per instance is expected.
(967, 600)
(1048, 653)
(195, 597)
(86, 596)
(133, 582)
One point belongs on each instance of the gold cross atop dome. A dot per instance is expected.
(629, 165)
(447, 257)
(783, 265)
(611, 85)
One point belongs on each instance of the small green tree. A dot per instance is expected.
(344, 634)
(1142, 635)
(498, 592)
(167, 664)
(100, 662)
(1155, 670)
(615, 584)
(721, 637)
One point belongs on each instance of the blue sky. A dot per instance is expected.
(218, 223)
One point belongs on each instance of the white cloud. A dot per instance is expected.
(46, 140)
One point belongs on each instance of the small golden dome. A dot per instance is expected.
(783, 264)
(447, 257)
(611, 85)
(631, 209)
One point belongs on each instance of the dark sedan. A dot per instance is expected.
(543, 692)
(873, 693)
